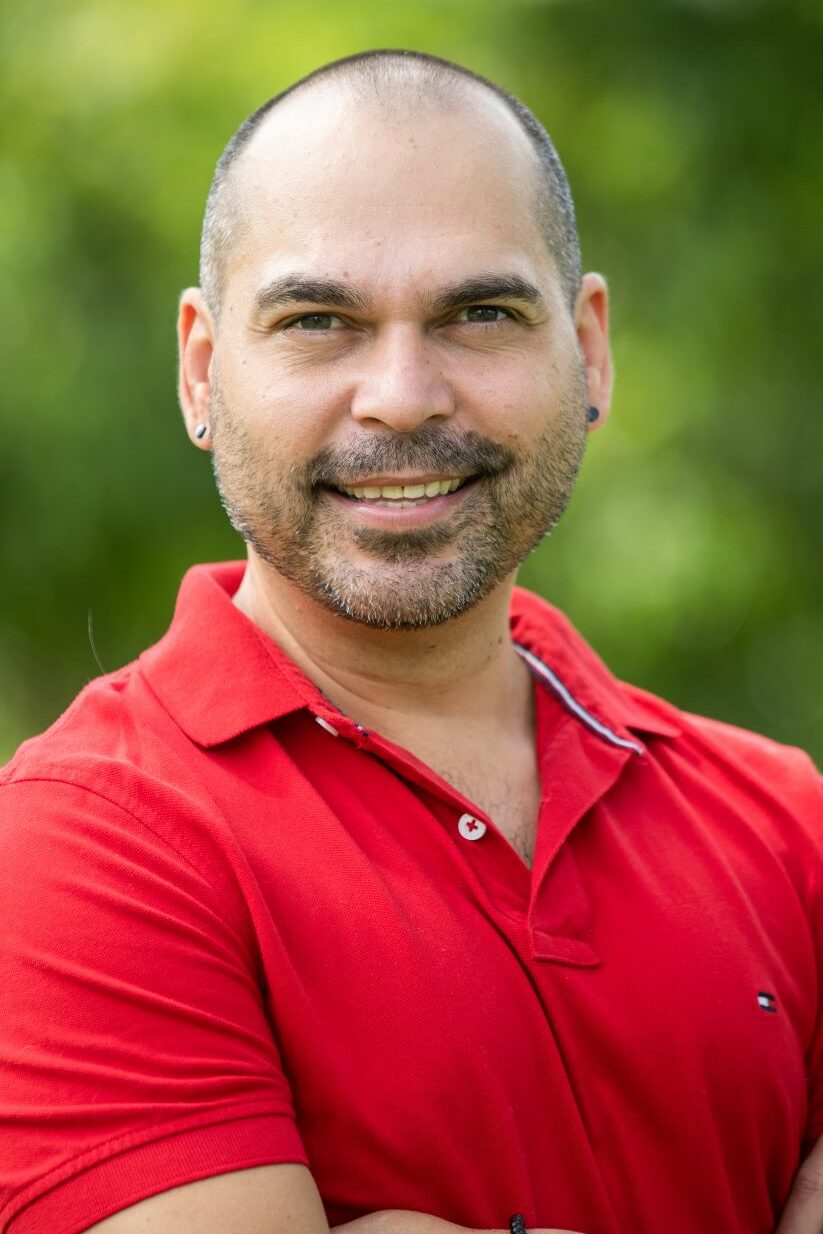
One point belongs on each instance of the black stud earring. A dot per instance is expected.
(200, 431)
(593, 414)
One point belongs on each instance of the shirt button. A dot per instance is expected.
(470, 828)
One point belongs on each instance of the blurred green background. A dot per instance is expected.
(691, 133)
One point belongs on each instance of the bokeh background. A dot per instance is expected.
(691, 132)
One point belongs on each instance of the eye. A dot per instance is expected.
(317, 322)
(484, 314)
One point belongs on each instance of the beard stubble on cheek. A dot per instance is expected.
(398, 580)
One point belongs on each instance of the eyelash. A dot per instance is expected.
(508, 315)
(296, 321)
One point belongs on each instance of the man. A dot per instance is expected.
(368, 896)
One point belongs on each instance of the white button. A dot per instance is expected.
(325, 724)
(470, 828)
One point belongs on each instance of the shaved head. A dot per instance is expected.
(395, 83)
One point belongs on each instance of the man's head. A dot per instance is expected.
(392, 298)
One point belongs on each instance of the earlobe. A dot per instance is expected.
(195, 335)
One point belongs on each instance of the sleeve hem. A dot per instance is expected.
(99, 1190)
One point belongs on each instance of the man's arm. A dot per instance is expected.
(283, 1199)
(803, 1213)
(271, 1199)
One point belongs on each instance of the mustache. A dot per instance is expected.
(425, 450)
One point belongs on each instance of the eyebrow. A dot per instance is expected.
(485, 287)
(297, 289)
(300, 289)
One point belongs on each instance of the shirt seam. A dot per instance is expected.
(113, 801)
(142, 822)
(120, 1145)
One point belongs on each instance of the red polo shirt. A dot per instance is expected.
(237, 929)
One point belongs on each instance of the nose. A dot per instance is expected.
(402, 385)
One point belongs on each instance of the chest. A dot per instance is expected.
(505, 788)
(437, 1048)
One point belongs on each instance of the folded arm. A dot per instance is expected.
(274, 1199)
(803, 1213)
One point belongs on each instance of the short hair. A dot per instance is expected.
(392, 76)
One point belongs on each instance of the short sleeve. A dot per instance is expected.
(135, 1051)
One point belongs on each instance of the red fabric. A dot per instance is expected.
(229, 937)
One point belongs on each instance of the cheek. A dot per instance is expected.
(517, 407)
(278, 422)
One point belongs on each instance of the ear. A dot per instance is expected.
(591, 316)
(195, 339)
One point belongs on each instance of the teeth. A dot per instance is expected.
(403, 492)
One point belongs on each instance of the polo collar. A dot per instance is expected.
(215, 672)
(580, 680)
(218, 675)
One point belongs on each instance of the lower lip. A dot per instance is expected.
(404, 518)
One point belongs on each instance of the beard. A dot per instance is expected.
(399, 580)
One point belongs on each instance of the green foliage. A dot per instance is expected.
(690, 131)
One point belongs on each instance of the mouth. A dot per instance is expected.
(403, 494)
(397, 504)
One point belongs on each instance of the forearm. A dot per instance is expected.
(402, 1221)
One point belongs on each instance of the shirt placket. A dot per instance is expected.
(544, 912)
(498, 871)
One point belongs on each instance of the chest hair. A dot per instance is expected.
(511, 802)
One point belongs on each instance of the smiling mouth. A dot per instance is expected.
(401, 496)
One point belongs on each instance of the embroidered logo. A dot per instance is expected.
(766, 1001)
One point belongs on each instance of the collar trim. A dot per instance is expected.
(564, 694)
(581, 681)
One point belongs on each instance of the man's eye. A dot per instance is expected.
(483, 314)
(315, 321)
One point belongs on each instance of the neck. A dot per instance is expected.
(464, 670)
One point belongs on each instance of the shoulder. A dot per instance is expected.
(707, 757)
(746, 758)
(109, 740)
(752, 763)
(103, 718)
(754, 799)
(115, 779)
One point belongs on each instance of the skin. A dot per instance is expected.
(396, 211)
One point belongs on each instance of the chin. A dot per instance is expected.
(389, 599)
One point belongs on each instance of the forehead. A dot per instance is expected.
(346, 187)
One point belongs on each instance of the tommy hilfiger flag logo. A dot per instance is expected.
(767, 1001)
